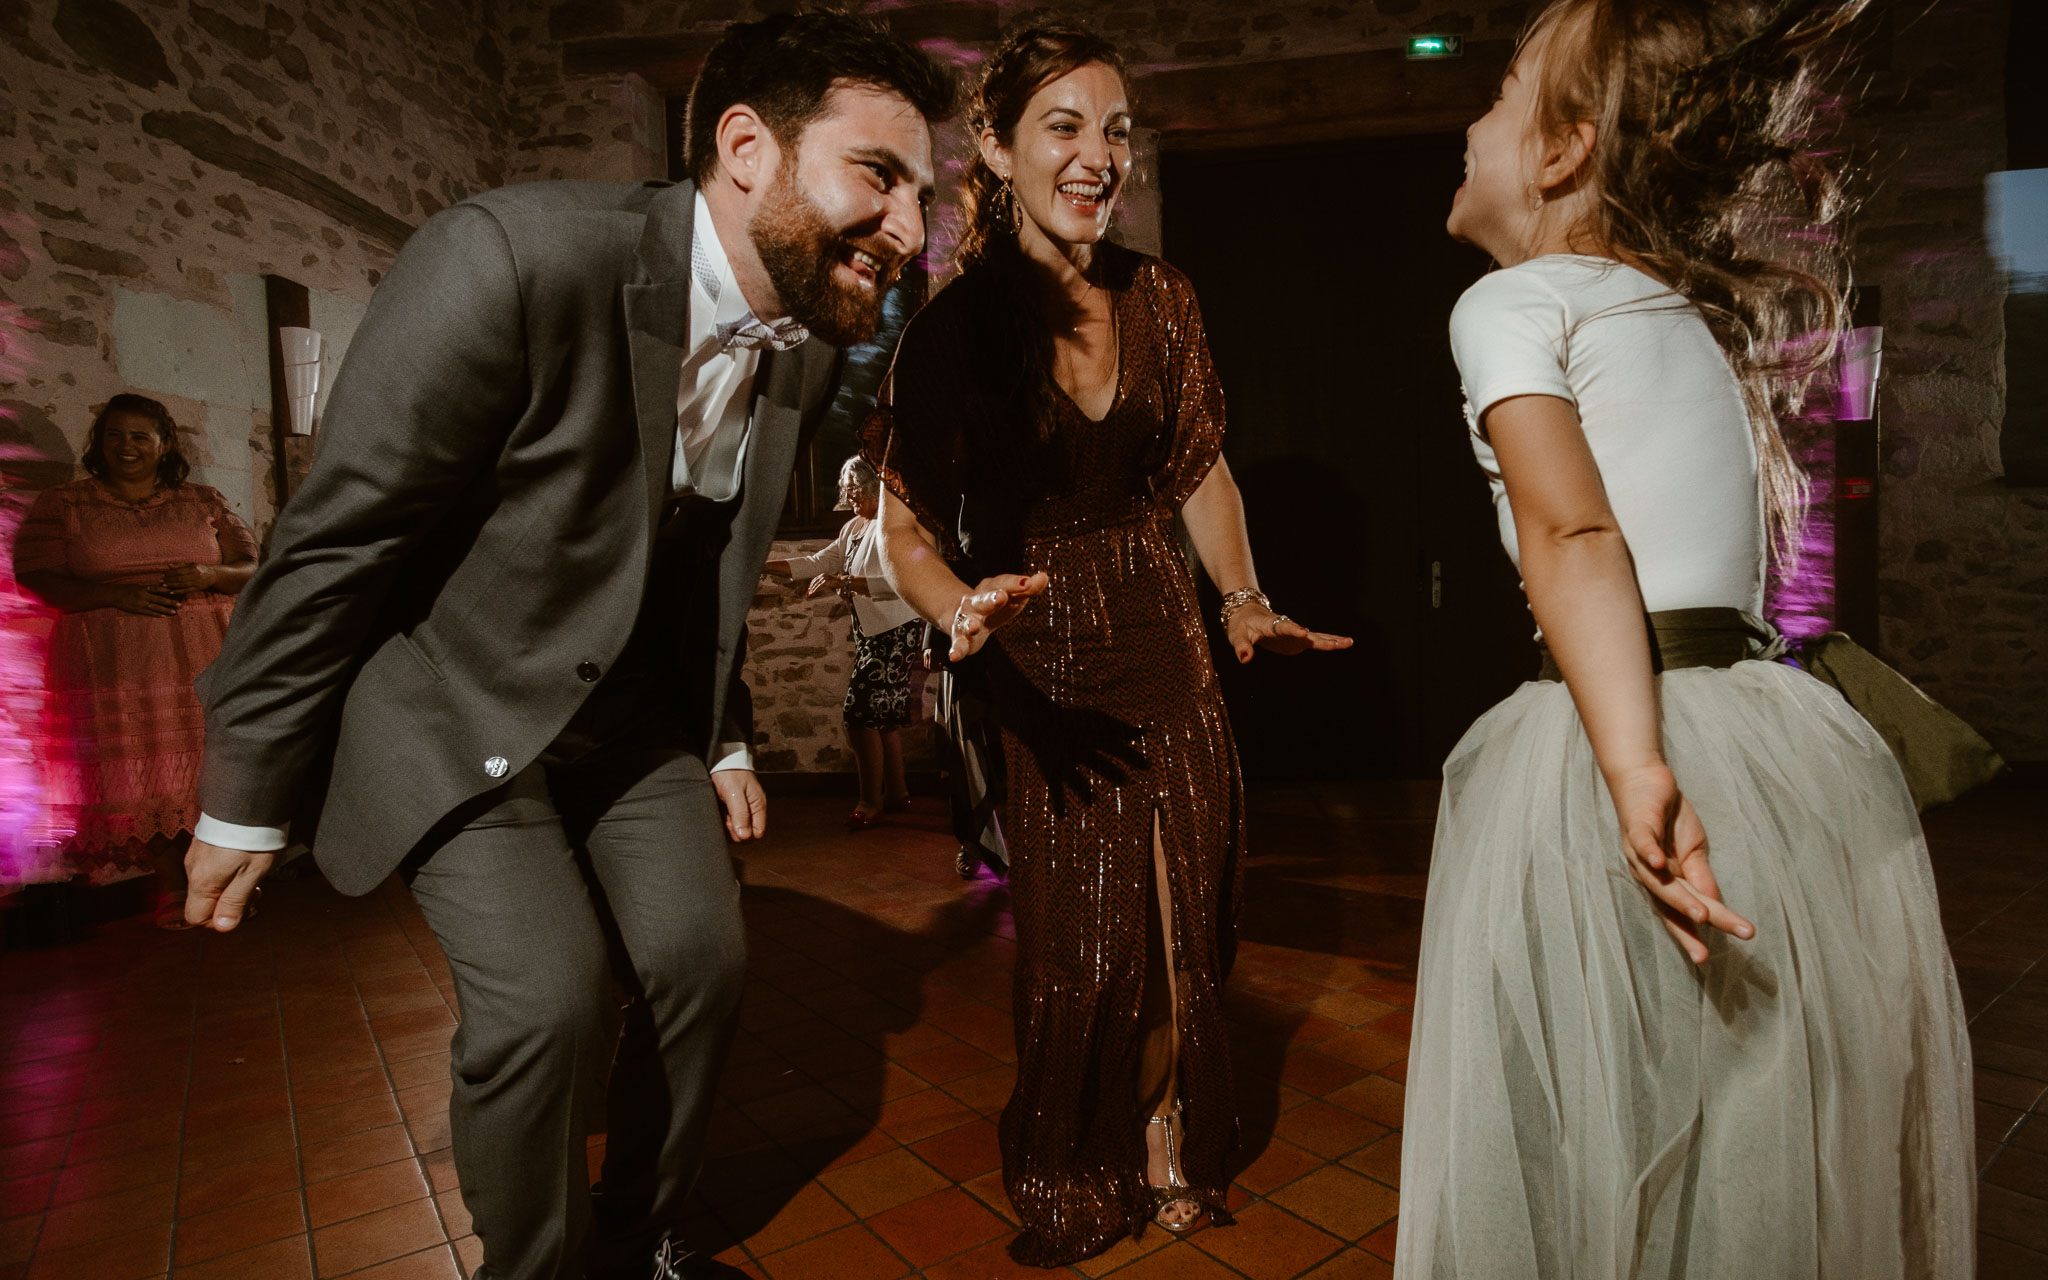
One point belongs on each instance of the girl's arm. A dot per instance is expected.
(1582, 588)
(1214, 514)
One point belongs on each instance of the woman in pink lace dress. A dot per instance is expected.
(143, 568)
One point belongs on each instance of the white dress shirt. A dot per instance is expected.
(716, 391)
(712, 428)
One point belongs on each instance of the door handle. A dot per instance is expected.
(1436, 584)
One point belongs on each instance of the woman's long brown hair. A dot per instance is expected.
(1709, 173)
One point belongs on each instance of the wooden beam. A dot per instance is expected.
(669, 63)
(1376, 92)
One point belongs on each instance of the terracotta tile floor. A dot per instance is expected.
(272, 1105)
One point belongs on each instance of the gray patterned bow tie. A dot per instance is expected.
(751, 335)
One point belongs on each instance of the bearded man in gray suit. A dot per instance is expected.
(495, 643)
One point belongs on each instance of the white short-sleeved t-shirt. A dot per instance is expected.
(1659, 405)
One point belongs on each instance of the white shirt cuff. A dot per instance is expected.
(233, 835)
(734, 755)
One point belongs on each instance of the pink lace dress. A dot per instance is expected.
(125, 728)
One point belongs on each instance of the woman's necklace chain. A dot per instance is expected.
(155, 487)
(1109, 373)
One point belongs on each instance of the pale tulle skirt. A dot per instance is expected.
(1584, 1103)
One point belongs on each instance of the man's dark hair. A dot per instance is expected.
(784, 66)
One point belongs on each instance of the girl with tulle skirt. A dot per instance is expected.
(1684, 1008)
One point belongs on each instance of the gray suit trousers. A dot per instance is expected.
(517, 896)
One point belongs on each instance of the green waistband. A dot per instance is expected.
(1709, 637)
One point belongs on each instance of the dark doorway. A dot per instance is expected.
(1326, 283)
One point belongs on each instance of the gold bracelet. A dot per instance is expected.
(1241, 597)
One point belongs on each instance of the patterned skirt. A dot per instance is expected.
(878, 695)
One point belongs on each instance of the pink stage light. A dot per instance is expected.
(28, 837)
(1801, 604)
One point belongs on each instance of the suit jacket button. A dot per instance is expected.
(496, 766)
(588, 672)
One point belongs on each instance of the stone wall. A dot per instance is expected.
(605, 125)
(1963, 589)
(158, 158)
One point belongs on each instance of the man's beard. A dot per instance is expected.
(799, 247)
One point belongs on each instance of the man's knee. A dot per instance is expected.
(557, 1013)
(700, 964)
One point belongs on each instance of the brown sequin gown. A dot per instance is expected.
(1110, 713)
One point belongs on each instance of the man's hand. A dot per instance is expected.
(745, 805)
(222, 884)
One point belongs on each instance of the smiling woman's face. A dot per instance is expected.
(1069, 155)
(130, 446)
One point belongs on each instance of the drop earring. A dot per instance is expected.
(1535, 196)
(1008, 213)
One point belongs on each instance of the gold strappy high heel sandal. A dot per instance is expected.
(1175, 1191)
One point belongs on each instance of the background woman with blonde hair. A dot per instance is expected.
(886, 639)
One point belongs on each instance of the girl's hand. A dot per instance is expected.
(990, 605)
(1253, 625)
(1666, 849)
(191, 577)
(822, 583)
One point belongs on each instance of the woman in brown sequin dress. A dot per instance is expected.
(1051, 411)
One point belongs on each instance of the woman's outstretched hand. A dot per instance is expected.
(1254, 626)
(1667, 854)
(993, 602)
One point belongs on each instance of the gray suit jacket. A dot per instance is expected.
(472, 545)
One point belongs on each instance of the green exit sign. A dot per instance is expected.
(1421, 47)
